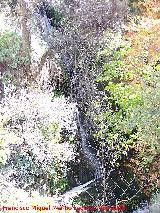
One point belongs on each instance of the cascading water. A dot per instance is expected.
(91, 157)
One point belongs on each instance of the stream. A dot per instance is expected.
(90, 156)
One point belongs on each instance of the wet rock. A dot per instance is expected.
(1, 90)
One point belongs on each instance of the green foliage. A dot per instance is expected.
(57, 93)
(71, 139)
(121, 100)
(29, 171)
(7, 79)
(132, 111)
(9, 49)
(6, 138)
(83, 200)
(58, 182)
(79, 201)
(147, 118)
(51, 132)
(54, 16)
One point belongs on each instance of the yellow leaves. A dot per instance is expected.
(150, 8)
(144, 35)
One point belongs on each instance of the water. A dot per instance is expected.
(90, 156)
(68, 197)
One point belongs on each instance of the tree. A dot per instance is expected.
(131, 82)
(26, 37)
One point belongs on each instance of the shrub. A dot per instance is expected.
(9, 49)
(39, 160)
(132, 109)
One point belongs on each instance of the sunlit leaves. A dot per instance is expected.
(31, 139)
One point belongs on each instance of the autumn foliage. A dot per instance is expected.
(143, 34)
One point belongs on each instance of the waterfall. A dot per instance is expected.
(90, 156)
(47, 35)
(68, 196)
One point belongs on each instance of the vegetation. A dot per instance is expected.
(54, 16)
(131, 81)
(101, 98)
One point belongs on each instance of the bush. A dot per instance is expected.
(9, 49)
(30, 139)
(132, 109)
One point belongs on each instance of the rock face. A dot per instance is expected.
(1, 90)
(153, 207)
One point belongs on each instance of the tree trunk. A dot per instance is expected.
(26, 40)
